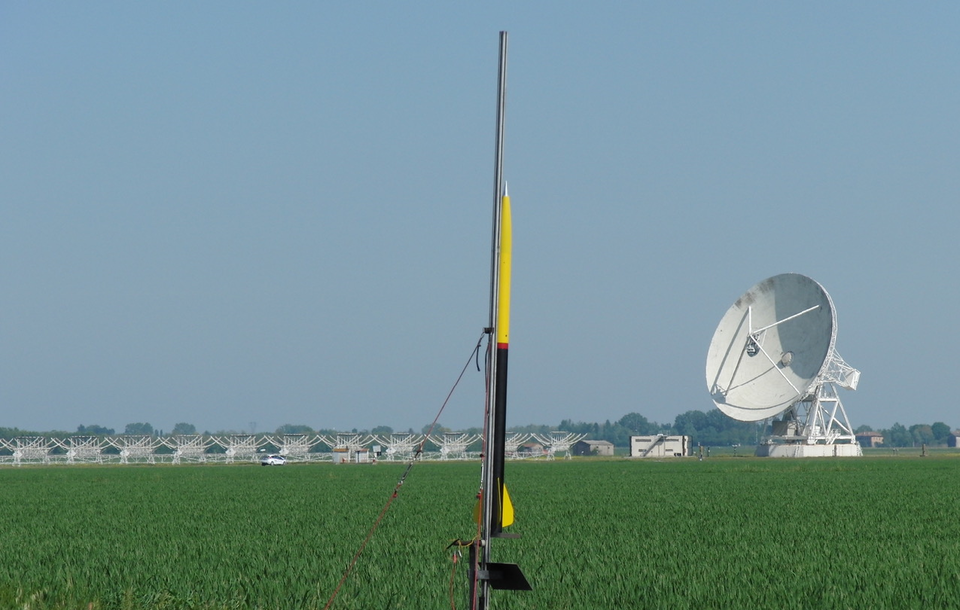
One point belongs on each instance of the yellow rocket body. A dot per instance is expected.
(501, 497)
(506, 260)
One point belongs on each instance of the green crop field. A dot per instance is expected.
(722, 533)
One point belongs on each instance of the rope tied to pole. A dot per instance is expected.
(406, 472)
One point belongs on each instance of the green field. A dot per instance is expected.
(722, 533)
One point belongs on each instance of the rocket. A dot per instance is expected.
(502, 509)
(494, 509)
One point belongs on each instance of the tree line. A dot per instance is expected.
(708, 428)
(711, 428)
(138, 428)
(916, 435)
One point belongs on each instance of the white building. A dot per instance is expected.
(659, 446)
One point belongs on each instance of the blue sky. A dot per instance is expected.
(224, 213)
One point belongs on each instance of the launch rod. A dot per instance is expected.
(498, 179)
(491, 480)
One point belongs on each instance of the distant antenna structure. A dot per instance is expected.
(29, 449)
(400, 446)
(239, 447)
(294, 447)
(512, 444)
(188, 447)
(81, 449)
(559, 441)
(773, 357)
(346, 446)
(135, 448)
(453, 445)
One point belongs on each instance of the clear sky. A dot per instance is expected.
(233, 212)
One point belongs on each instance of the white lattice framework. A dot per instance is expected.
(401, 446)
(512, 444)
(188, 447)
(818, 419)
(348, 443)
(557, 442)
(453, 445)
(353, 441)
(29, 450)
(82, 449)
(296, 447)
(136, 448)
(240, 447)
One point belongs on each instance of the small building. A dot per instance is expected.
(870, 439)
(530, 450)
(659, 445)
(586, 447)
(953, 439)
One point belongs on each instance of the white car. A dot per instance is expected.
(273, 460)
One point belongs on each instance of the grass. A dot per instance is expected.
(722, 533)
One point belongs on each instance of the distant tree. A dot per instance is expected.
(637, 424)
(139, 428)
(863, 428)
(689, 422)
(940, 431)
(529, 429)
(614, 432)
(437, 429)
(94, 430)
(184, 428)
(922, 434)
(294, 429)
(897, 436)
(686, 423)
(8, 433)
(714, 428)
(592, 430)
(381, 430)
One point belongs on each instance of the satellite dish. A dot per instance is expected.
(770, 347)
(774, 353)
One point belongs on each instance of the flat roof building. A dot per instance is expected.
(659, 445)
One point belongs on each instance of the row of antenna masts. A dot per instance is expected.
(133, 448)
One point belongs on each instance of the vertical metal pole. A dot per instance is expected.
(473, 599)
(498, 180)
(481, 598)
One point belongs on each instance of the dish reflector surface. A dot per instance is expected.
(770, 347)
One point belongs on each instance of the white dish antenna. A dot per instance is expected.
(774, 353)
